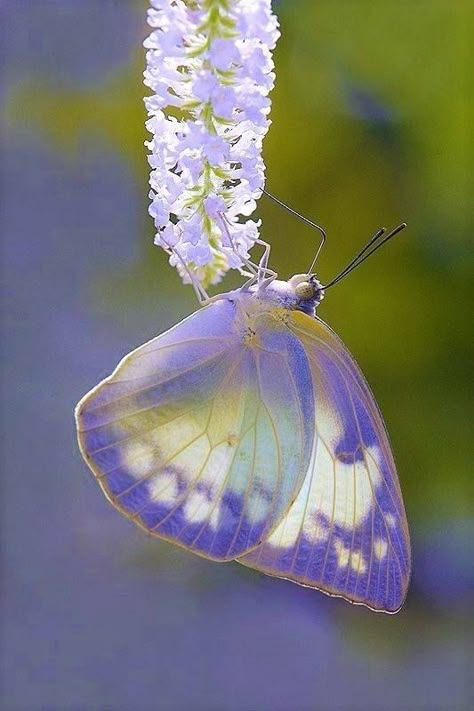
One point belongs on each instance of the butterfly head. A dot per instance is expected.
(307, 290)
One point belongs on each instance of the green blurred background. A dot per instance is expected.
(370, 115)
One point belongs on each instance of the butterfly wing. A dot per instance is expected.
(200, 437)
(346, 533)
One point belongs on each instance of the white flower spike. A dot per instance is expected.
(209, 65)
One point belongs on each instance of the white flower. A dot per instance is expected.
(210, 67)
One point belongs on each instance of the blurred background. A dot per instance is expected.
(370, 120)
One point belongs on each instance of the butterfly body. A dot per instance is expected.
(248, 432)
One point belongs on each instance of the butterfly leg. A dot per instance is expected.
(251, 266)
(246, 286)
(257, 272)
(265, 275)
(201, 294)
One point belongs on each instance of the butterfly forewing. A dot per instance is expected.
(202, 437)
(346, 532)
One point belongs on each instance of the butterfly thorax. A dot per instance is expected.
(277, 299)
(301, 293)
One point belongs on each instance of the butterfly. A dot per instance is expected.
(247, 432)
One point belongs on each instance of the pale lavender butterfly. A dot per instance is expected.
(247, 432)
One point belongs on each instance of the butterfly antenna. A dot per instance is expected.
(372, 246)
(304, 219)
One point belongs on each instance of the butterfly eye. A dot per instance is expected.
(304, 290)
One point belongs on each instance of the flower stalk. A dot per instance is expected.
(209, 65)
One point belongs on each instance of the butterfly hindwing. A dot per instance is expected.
(346, 532)
(199, 436)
